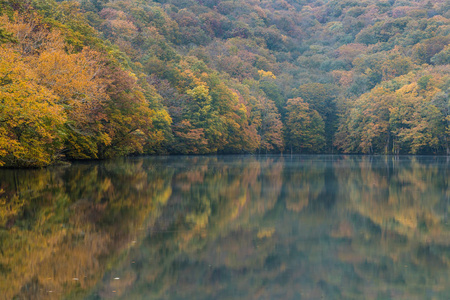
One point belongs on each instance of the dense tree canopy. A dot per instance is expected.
(113, 78)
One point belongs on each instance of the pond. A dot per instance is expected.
(228, 227)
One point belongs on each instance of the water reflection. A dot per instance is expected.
(230, 227)
(59, 227)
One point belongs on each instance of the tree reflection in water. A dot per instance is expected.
(227, 227)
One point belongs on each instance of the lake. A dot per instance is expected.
(228, 227)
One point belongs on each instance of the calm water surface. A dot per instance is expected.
(228, 227)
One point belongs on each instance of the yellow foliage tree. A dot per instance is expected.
(30, 117)
(74, 78)
(263, 74)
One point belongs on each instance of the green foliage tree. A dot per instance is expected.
(305, 129)
(322, 98)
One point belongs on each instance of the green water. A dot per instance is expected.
(228, 227)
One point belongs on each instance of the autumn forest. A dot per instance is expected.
(96, 79)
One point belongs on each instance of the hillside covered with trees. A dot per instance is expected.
(95, 79)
